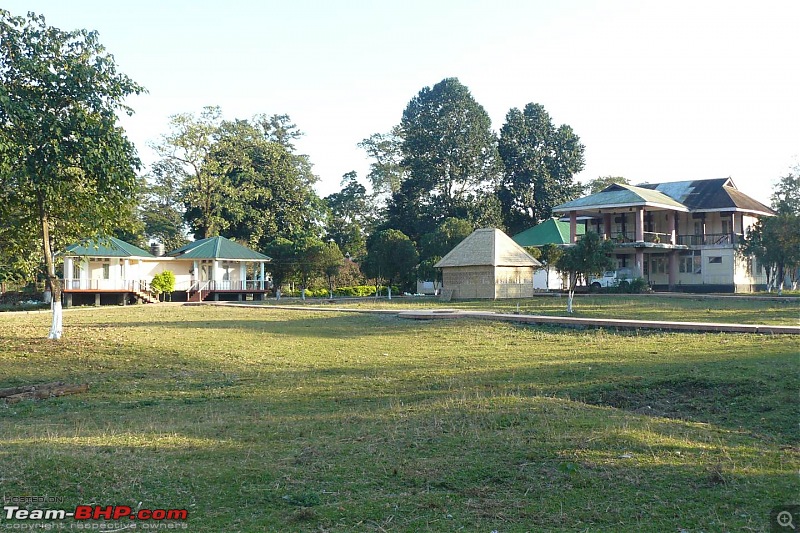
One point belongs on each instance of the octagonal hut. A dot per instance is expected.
(489, 265)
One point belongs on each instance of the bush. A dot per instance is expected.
(163, 283)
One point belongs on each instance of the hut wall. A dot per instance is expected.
(469, 282)
(514, 282)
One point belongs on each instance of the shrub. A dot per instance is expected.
(163, 283)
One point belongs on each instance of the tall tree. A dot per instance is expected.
(391, 256)
(270, 195)
(540, 162)
(786, 195)
(351, 216)
(161, 209)
(283, 266)
(450, 152)
(188, 147)
(68, 168)
(386, 172)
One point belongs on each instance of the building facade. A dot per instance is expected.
(679, 236)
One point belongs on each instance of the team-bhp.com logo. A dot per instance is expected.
(94, 512)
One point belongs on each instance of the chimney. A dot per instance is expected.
(157, 249)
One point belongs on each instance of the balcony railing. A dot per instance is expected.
(224, 285)
(710, 239)
(104, 284)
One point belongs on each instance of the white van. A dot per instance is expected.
(612, 278)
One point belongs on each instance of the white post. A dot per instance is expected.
(126, 264)
(263, 285)
(214, 267)
(69, 272)
(243, 275)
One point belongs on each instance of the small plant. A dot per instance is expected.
(163, 283)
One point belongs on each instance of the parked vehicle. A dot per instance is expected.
(612, 278)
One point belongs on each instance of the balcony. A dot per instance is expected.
(711, 239)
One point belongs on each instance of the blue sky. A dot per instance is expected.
(657, 91)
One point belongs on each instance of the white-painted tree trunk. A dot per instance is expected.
(570, 295)
(277, 294)
(389, 291)
(56, 327)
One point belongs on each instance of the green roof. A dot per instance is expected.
(621, 195)
(105, 247)
(551, 231)
(216, 248)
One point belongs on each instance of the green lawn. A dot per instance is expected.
(277, 420)
(624, 306)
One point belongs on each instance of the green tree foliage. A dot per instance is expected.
(386, 172)
(775, 243)
(598, 184)
(283, 266)
(351, 216)
(67, 167)
(240, 178)
(161, 208)
(444, 238)
(163, 283)
(786, 195)
(310, 253)
(391, 257)
(450, 152)
(590, 255)
(331, 263)
(270, 195)
(540, 162)
(187, 149)
(549, 255)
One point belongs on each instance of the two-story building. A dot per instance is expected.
(679, 236)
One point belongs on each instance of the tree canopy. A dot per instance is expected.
(590, 255)
(450, 154)
(67, 169)
(540, 162)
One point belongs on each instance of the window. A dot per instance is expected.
(106, 271)
(715, 260)
(690, 262)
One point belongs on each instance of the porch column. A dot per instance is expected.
(126, 265)
(639, 224)
(573, 227)
(671, 223)
(607, 226)
(262, 277)
(214, 267)
(673, 269)
(84, 281)
(639, 262)
(243, 275)
(69, 272)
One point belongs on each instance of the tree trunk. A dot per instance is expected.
(570, 295)
(389, 290)
(52, 280)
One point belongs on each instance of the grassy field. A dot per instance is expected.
(624, 306)
(276, 420)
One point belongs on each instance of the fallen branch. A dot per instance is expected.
(38, 392)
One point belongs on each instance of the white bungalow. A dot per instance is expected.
(109, 270)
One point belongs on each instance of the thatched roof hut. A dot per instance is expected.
(488, 264)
